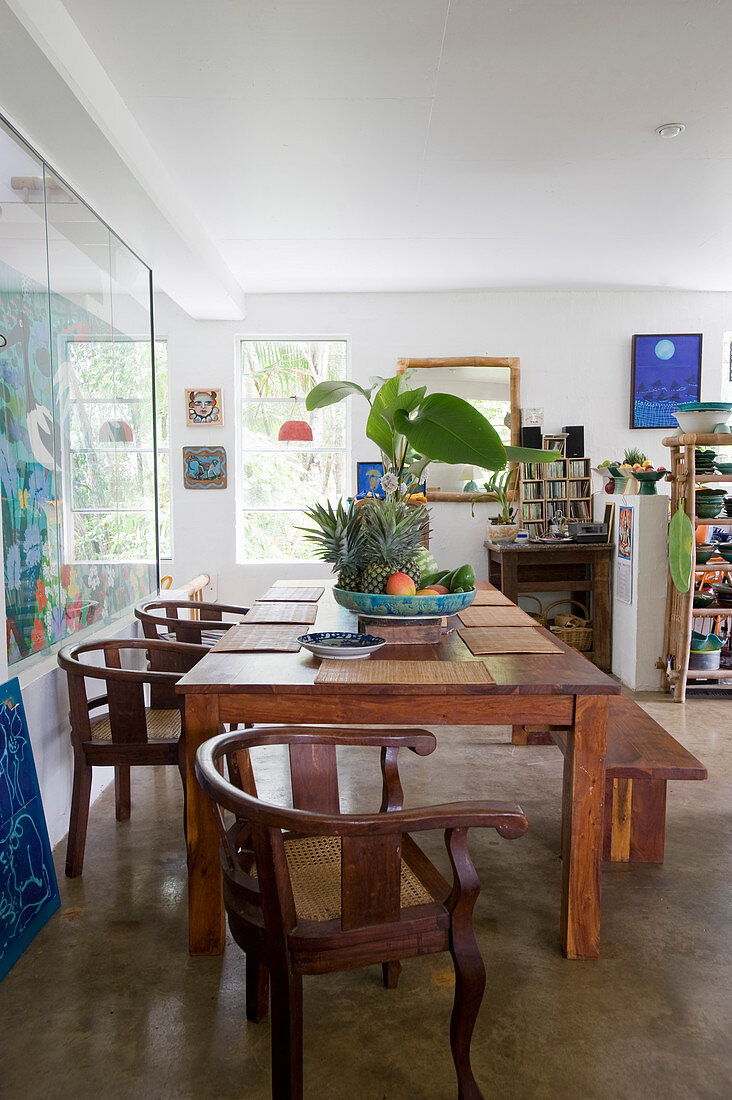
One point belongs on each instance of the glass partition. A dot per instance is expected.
(78, 446)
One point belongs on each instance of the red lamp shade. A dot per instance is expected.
(295, 430)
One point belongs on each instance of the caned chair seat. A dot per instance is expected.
(314, 863)
(162, 725)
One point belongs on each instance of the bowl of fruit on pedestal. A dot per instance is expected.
(647, 476)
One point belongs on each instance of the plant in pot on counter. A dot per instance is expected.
(502, 528)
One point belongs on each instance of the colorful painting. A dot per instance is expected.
(28, 887)
(666, 372)
(46, 599)
(368, 481)
(204, 467)
(205, 407)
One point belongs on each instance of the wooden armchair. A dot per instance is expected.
(127, 731)
(310, 890)
(161, 618)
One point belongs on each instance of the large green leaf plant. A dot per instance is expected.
(412, 428)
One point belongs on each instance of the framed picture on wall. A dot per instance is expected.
(204, 467)
(205, 407)
(368, 478)
(666, 370)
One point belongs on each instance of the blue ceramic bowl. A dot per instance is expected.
(369, 603)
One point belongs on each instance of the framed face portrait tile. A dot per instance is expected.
(205, 407)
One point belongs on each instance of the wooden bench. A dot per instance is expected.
(641, 758)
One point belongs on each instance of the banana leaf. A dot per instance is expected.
(448, 429)
(531, 454)
(680, 548)
(329, 393)
(379, 429)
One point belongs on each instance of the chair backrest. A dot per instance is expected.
(185, 619)
(125, 687)
(370, 845)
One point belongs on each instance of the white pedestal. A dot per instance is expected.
(638, 626)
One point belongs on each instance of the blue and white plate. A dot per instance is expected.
(340, 644)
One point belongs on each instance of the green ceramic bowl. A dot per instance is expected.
(369, 603)
(704, 551)
(724, 467)
(708, 511)
(725, 549)
(703, 599)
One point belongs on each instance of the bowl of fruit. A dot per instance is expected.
(647, 476)
(444, 592)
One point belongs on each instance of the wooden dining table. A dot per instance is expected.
(560, 688)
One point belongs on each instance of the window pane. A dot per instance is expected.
(111, 481)
(290, 368)
(113, 536)
(263, 420)
(272, 536)
(166, 550)
(291, 480)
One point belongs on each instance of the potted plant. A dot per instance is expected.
(411, 428)
(502, 528)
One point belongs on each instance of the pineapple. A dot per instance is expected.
(337, 535)
(392, 537)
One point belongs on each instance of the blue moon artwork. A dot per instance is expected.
(666, 372)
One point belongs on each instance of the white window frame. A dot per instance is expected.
(67, 496)
(240, 450)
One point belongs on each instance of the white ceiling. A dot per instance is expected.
(337, 145)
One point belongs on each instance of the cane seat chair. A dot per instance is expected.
(129, 728)
(187, 620)
(310, 890)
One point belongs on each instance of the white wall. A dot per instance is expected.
(575, 349)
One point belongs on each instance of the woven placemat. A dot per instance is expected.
(403, 672)
(275, 638)
(495, 616)
(481, 640)
(304, 613)
(485, 597)
(303, 595)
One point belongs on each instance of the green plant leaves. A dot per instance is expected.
(448, 429)
(530, 454)
(681, 548)
(329, 393)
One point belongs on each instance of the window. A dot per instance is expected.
(109, 465)
(279, 478)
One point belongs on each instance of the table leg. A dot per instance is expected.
(582, 828)
(601, 612)
(206, 926)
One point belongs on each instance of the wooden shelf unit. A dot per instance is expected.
(564, 485)
(680, 610)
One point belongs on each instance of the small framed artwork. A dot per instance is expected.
(368, 479)
(609, 519)
(205, 408)
(666, 371)
(204, 467)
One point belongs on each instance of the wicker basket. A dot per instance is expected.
(571, 629)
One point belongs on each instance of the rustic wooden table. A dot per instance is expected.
(581, 568)
(561, 689)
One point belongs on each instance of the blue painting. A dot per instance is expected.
(28, 888)
(204, 467)
(369, 475)
(666, 372)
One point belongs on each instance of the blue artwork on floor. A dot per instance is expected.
(666, 372)
(28, 888)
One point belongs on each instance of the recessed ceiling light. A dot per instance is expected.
(670, 129)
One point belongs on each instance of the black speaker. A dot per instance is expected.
(575, 440)
(531, 437)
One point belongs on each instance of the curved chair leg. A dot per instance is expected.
(257, 993)
(467, 960)
(390, 974)
(79, 818)
(122, 791)
(286, 1025)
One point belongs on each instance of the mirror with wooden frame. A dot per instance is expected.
(492, 384)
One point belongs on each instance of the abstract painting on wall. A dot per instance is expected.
(205, 407)
(666, 372)
(204, 467)
(28, 887)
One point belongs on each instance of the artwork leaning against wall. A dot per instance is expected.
(78, 466)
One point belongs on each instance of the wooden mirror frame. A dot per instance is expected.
(513, 363)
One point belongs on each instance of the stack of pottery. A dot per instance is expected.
(705, 460)
(709, 502)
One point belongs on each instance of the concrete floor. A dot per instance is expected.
(107, 1002)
